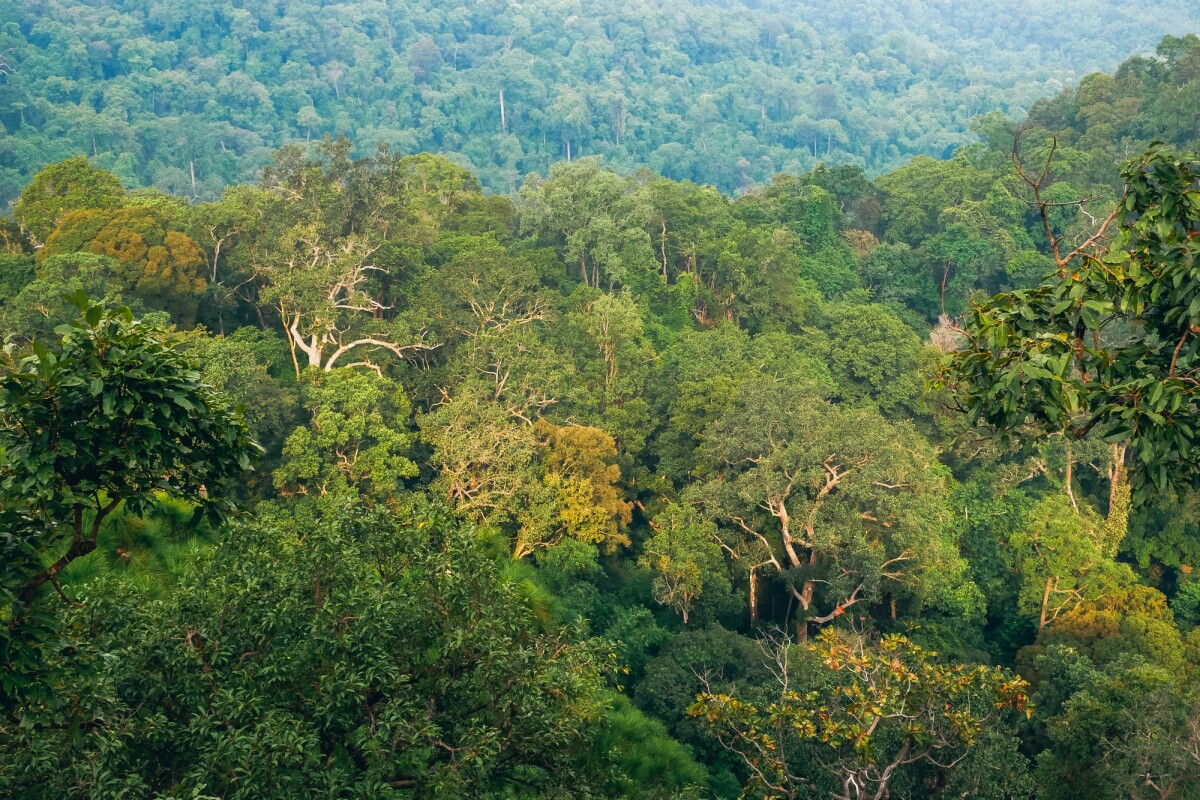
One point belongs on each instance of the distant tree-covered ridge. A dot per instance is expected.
(191, 98)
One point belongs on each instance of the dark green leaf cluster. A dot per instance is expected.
(115, 413)
(374, 656)
(1108, 343)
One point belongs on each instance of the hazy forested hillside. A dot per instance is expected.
(192, 97)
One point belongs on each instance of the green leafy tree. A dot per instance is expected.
(70, 185)
(695, 660)
(485, 461)
(685, 555)
(42, 304)
(1130, 730)
(611, 388)
(373, 655)
(1050, 359)
(220, 225)
(875, 356)
(251, 367)
(356, 440)
(313, 258)
(598, 222)
(1063, 559)
(842, 506)
(651, 763)
(113, 413)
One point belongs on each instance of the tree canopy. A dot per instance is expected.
(810, 483)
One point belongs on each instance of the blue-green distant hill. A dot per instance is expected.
(192, 96)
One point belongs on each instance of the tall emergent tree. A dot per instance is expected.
(839, 505)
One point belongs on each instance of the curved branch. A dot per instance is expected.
(399, 350)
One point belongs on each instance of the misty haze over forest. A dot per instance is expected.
(193, 98)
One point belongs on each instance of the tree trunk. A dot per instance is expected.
(216, 256)
(807, 592)
(1116, 475)
(1071, 478)
(753, 597)
(292, 346)
(503, 119)
(312, 349)
(664, 251)
(1045, 603)
(810, 585)
(786, 534)
(1116, 522)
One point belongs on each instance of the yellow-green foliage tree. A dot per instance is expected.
(539, 482)
(171, 266)
(877, 711)
(580, 464)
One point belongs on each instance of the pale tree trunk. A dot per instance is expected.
(311, 349)
(314, 348)
(216, 257)
(291, 337)
(664, 251)
(1045, 603)
(1070, 478)
(1120, 500)
(789, 544)
(753, 596)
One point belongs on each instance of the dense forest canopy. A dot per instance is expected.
(356, 479)
(192, 98)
